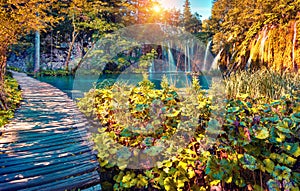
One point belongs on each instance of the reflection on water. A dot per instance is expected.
(76, 86)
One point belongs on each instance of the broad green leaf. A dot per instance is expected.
(292, 148)
(233, 109)
(126, 133)
(282, 172)
(153, 151)
(228, 180)
(148, 141)
(249, 162)
(214, 182)
(283, 127)
(273, 185)
(123, 154)
(191, 173)
(168, 164)
(169, 184)
(103, 163)
(269, 164)
(240, 182)
(214, 127)
(182, 165)
(262, 133)
(296, 117)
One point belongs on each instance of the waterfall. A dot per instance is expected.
(164, 58)
(206, 55)
(294, 44)
(252, 52)
(262, 44)
(192, 58)
(188, 56)
(171, 61)
(185, 58)
(214, 65)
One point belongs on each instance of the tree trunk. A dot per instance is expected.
(37, 53)
(81, 61)
(74, 36)
(3, 104)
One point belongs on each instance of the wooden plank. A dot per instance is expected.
(20, 138)
(52, 160)
(56, 125)
(46, 146)
(13, 173)
(47, 149)
(31, 147)
(39, 180)
(46, 140)
(39, 135)
(43, 157)
(77, 182)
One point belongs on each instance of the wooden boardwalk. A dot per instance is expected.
(46, 146)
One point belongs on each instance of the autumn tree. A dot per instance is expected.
(16, 19)
(252, 34)
(191, 23)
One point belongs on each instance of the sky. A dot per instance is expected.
(203, 7)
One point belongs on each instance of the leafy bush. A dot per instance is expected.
(256, 145)
(13, 95)
(13, 68)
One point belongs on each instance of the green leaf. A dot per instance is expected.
(103, 163)
(282, 172)
(262, 133)
(269, 164)
(273, 185)
(283, 127)
(168, 164)
(191, 173)
(276, 102)
(153, 151)
(126, 133)
(214, 127)
(169, 184)
(148, 141)
(214, 182)
(233, 109)
(240, 182)
(123, 154)
(249, 162)
(296, 117)
(182, 165)
(292, 148)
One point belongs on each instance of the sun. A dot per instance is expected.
(157, 8)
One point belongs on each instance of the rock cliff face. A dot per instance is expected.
(53, 55)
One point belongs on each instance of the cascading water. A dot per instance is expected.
(205, 62)
(171, 60)
(252, 52)
(185, 58)
(192, 56)
(214, 65)
(188, 57)
(262, 44)
(294, 44)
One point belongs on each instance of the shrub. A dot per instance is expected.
(254, 144)
(13, 95)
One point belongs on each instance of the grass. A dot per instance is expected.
(262, 83)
